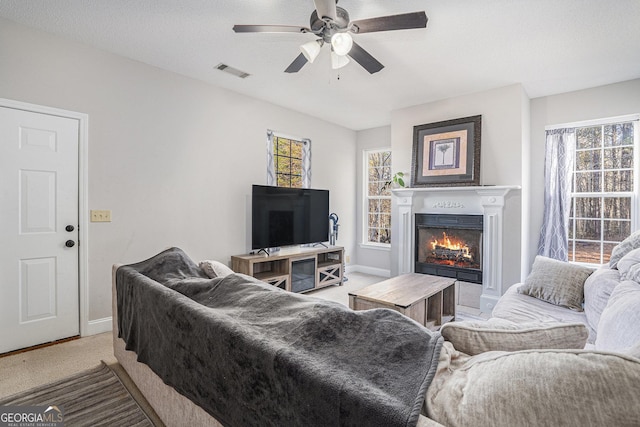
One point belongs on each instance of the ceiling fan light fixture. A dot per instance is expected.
(311, 49)
(338, 61)
(341, 43)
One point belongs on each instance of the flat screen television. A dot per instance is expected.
(288, 216)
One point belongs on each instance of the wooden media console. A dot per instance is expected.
(298, 269)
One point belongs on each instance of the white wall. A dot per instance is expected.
(526, 208)
(172, 157)
(370, 259)
(502, 123)
(505, 119)
(589, 104)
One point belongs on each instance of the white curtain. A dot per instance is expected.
(271, 167)
(306, 161)
(559, 161)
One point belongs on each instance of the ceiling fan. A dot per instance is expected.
(332, 26)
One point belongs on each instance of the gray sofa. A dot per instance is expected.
(561, 349)
(235, 351)
(611, 307)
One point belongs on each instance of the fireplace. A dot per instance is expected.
(449, 246)
(499, 209)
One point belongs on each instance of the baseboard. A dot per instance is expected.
(367, 270)
(99, 326)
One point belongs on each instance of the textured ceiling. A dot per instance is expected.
(550, 46)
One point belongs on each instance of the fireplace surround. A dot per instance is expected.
(499, 208)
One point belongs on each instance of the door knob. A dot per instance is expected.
(69, 243)
(69, 228)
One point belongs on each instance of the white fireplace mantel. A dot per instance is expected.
(488, 201)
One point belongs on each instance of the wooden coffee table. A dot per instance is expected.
(429, 300)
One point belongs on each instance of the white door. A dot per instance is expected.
(39, 294)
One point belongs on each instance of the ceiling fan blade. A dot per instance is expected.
(405, 21)
(270, 29)
(365, 59)
(326, 8)
(297, 64)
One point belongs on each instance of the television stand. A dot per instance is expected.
(294, 269)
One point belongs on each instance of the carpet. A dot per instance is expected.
(95, 397)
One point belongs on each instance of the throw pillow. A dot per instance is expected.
(534, 388)
(629, 260)
(557, 282)
(215, 269)
(618, 328)
(597, 290)
(503, 335)
(623, 248)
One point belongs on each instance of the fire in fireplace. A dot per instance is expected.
(454, 249)
(450, 246)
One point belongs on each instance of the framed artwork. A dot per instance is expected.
(447, 153)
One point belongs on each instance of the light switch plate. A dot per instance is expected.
(100, 216)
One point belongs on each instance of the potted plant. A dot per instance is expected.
(397, 179)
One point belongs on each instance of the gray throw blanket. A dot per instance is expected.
(252, 354)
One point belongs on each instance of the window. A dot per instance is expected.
(603, 190)
(287, 156)
(377, 201)
(289, 161)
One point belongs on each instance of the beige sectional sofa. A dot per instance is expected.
(561, 349)
(611, 307)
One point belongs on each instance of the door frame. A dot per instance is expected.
(83, 200)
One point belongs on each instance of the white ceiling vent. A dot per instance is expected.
(231, 70)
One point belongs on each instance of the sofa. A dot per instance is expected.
(527, 365)
(235, 351)
(606, 300)
(561, 349)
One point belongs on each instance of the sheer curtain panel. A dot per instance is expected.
(271, 167)
(559, 159)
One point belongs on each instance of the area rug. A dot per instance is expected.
(91, 398)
